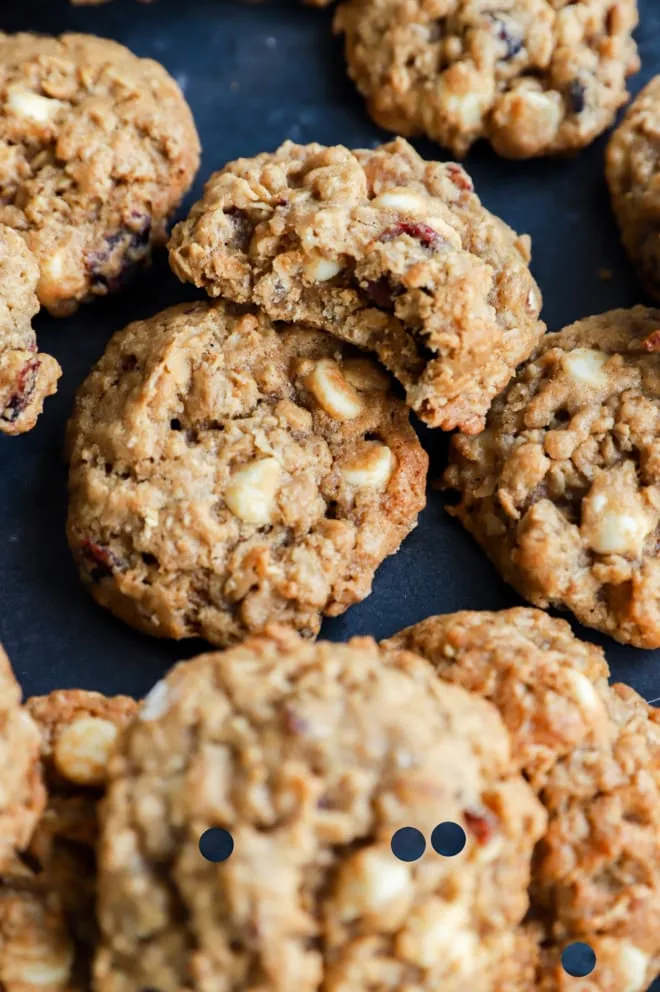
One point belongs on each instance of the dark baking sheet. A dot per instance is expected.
(255, 75)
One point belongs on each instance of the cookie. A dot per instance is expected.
(21, 792)
(382, 249)
(225, 473)
(533, 77)
(47, 913)
(311, 756)
(562, 488)
(592, 755)
(633, 169)
(98, 147)
(26, 376)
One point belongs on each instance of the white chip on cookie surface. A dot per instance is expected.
(82, 750)
(320, 269)
(585, 365)
(615, 517)
(251, 494)
(26, 103)
(371, 467)
(156, 703)
(335, 395)
(403, 199)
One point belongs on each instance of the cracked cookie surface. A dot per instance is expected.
(380, 248)
(311, 756)
(533, 77)
(562, 489)
(633, 175)
(47, 898)
(225, 473)
(592, 754)
(97, 148)
(27, 377)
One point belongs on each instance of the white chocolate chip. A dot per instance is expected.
(334, 394)
(615, 517)
(82, 751)
(33, 106)
(37, 966)
(251, 493)
(320, 269)
(634, 965)
(365, 375)
(370, 881)
(584, 692)
(403, 199)
(436, 931)
(585, 366)
(156, 703)
(371, 468)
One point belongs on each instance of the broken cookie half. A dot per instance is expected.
(27, 376)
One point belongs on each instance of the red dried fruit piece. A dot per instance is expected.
(481, 825)
(421, 232)
(105, 560)
(459, 177)
(652, 342)
(21, 397)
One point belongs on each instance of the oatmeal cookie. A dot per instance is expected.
(633, 175)
(47, 913)
(26, 376)
(533, 77)
(382, 249)
(592, 754)
(562, 489)
(311, 756)
(97, 149)
(21, 790)
(224, 473)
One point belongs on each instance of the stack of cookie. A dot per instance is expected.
(241, 466)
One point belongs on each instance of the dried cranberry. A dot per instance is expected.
(577, 92)
(129, 362)
(24, 386)
(481, 825)
(512, 41)
(414, 229)
(103, 560)
(652, 342)
(382, 292)
(128, 249)
(294, 723)
(243, 229)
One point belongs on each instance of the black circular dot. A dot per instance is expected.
(578, 960)
(408, 844)
(448, 839)
(216, 844)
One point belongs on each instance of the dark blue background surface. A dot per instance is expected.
(255, 75)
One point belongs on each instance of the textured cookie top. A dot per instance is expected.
(47, 925)
(21, 792)
(592, 754)
(563, 487)
(534, 77)
(26, 377)
(224, 473)
(531, 666)
(633, 174)
(97, 148)
(381, 248)
(311, 756)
